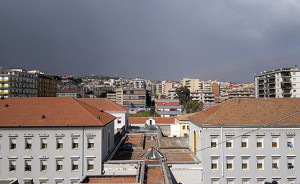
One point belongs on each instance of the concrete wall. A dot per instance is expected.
(252, 174)
(120, 115)
(51, 154)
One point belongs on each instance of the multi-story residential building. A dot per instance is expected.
(17, 83)
(168, 108)
(279, 83)
(113, 108)
(166, 86)
(138, 83)
(46, 84)
(53, 140)
(68, 93)
(111, 96)
(172, 94)
(248, 141)
(215, 87)
(240, 94)
(193, 84)
(131, 97)
(158, 88)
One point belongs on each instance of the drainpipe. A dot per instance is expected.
(82, 159)
(222, 151)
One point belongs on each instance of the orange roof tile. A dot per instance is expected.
(57, 111)
(250, 112)
(159, 120)
(103, 104)
(167, 104)
(185, 117)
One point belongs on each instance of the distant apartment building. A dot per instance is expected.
(47, 140)
(248, 141)
(166, 86)
(131, 97)
(172, 94)
(193, 84)
(207, 98)
(68, 93)
(240, 94)
(158, 89)
(168, 108)
(138, 83)
(46, 84)
(111, 96)
(17, 83)
(215, 87)
(279, 83)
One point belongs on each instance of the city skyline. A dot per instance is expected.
(227, 41)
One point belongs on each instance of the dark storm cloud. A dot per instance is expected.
(224, 40)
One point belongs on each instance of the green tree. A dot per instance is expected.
(193, 106)
(183, 94)
(153, 113)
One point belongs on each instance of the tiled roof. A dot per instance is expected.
(167, 104)
(251, 112)
(103, 104)
(185, 117)
(112, 179)
(158, 120)
(50, 111)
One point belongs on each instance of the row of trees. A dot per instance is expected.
(186, 101)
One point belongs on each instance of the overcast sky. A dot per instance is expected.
(228, 40)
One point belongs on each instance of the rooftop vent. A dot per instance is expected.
(98, 117)
(43, 117)
(6, 105)
(151, 138)
(152, 154)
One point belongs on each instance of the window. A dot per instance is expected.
(244, 142)
(275, 142)
(27, 165)
(214, 181)
(90, 165)
(290, 142)
(188, 127)
(259, 142)
(245, 181)
(74, 143)
(59, 165)
(229, 142)
(59, 143)
(43, 143)
(43, 165)
(230, 181)
(12, 165)
(245, 163)
(74, 165)
(28, 143)
(275, 163)
(290, 163)
(291, 181)
(260, 181)
(260, 163)
(12, 143)
(294, 90)
(214, 163)
(91, 143)
(214, 142)
(183, 127)
(229, 163)
(119, 121)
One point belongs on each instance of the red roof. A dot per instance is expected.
(49, 111)
(103, 104)
(158, 120)
(167, 104)
(251, 112)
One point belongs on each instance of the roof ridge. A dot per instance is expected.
(114, 104)
(78, 102)
(228, 102)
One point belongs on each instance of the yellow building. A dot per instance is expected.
(193, 84)
(183, 121)
(166, 86)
